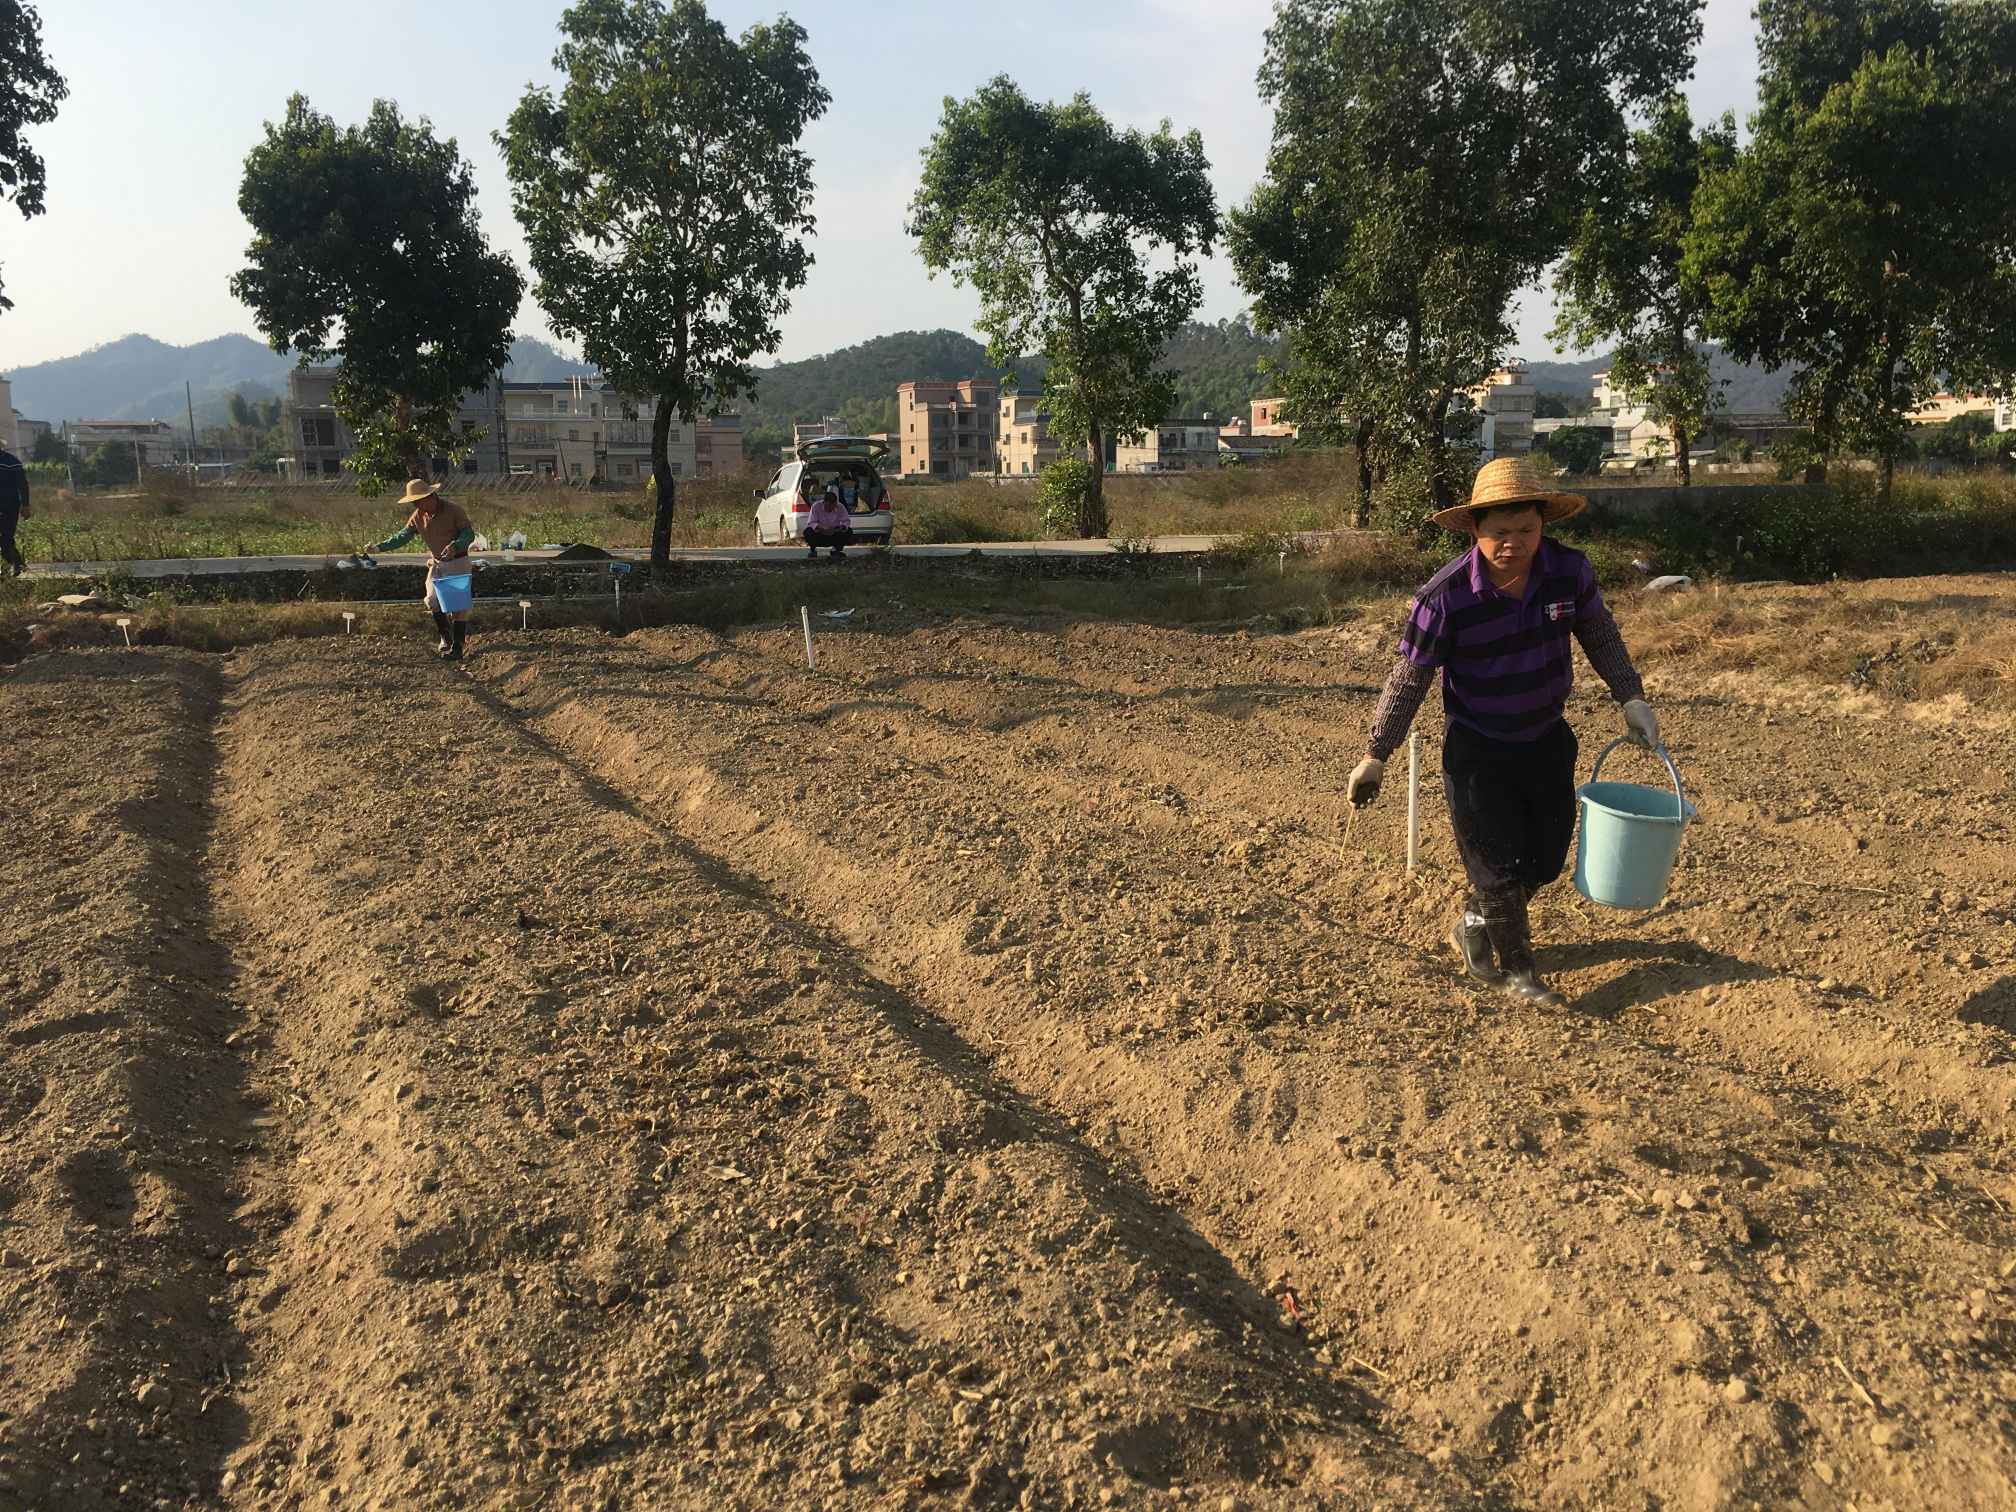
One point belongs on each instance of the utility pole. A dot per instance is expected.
(189, 399)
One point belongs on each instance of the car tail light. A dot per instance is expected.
(800, 504)
(885, 498)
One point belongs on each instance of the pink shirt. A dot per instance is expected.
(829, 514)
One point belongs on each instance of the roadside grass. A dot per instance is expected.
(174, 519)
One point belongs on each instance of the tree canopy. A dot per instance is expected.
(30, 91)
(667, 201)
(366, 250)
(1416, 183)
(1864, 234)
(1081, 241)
(1623, 279)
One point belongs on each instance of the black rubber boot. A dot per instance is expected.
(1472, 944)
(1511, 937)
(441, 624)
(458, 630)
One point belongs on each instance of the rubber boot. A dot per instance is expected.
(458, 630)
(1511, 937)
(1472, 944)
(441, 624)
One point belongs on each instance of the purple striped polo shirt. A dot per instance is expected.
(1507, 663)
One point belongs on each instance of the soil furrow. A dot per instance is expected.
(1591, 1140)
(766, 1229)
(123, 1115)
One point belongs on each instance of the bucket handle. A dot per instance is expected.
(1671, 771)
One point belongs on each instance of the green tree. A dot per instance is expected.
(109, 465)
(1863, 235)
(366, 250)
(30, 91)
(666, 201)
(1624, 283)
(49, 447)
(1413, 188)
(1053, 216)
(1577, 448)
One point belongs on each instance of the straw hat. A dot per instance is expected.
(1511, 480)
(418, 489)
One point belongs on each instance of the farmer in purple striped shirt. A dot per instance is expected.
(1496, 623)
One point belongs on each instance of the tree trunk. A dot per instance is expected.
(1438, 451)
(1092, 510)
(1361, 515)
(664, 485)
(1681, 441)
(409, 448)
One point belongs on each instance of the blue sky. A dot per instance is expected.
(143, 229)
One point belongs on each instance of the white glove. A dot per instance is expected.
(1363, 785)
(1642, 723)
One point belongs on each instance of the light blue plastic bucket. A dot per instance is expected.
(455, 592)
(1630, 837)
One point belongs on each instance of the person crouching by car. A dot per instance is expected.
(445, 529)
(829, 524)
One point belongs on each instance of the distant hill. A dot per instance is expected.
(139, 378)
(1217, 367)
(1750, 389)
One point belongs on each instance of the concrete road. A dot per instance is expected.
(1175, 545)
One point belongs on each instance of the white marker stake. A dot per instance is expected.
(805, 619)
(524, 614)
(1200, 575)
(349, 621)
(1281, 564)
(1414, 798)
(126, 632)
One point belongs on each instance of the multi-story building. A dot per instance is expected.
(1024, 443)
(811, 430)
(2005, 413)
(10, 428)
(580, 430)
(155, 443)
(1176, 445)
(717, 445)
(1266, 419)
(319, 441)
(1943, 406)
(1505, 399)
(29, 434)
(948, 426)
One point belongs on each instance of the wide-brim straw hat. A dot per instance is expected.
(1511, 480)
(418, 489)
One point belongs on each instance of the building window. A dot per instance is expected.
(672, 436)
(469, 463)
(677, 469)
(626, 470)
(331, 468)
(574, 435)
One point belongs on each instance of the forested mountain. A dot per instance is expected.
(139, 378)
(1217, 367)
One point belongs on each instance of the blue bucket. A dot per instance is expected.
(1630, 837)
(456, 592)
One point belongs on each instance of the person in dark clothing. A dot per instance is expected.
(444, 529)
(829, 524)
(13, 509)
(1496, 624)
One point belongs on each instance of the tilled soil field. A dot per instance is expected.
(989, 1070)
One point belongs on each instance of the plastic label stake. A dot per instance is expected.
(805, 619)
(349, 621)
(524, 614)
(125, 631)
(1413, 798)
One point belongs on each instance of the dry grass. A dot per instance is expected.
(1916, 639)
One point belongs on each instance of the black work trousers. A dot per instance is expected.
(1513, 805)
(10, 520)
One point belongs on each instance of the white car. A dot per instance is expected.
(785, 502)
